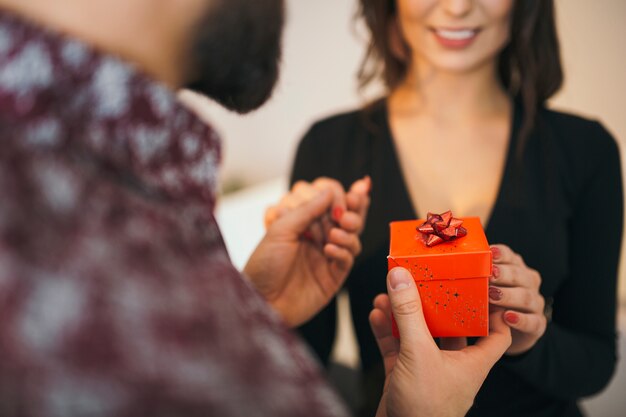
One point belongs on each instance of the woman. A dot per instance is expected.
(465, 127)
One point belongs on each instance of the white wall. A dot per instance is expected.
(322, 55)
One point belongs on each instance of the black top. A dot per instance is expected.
(559, 206)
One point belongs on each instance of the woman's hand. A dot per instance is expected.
(515, 287)
(422, 380)
(355, 202)
(298, 274)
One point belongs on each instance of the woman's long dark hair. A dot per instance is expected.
(529, 66)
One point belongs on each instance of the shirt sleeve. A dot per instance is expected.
(576, 356)
(123, 306)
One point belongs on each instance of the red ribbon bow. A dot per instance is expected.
(441, 228)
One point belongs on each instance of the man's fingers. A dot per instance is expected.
(380, 323)
(339, 196)
(351, 222)
(327, 224)
(300, 218)
(342, 261)
(305, 189)
(407, 309)
(383, 303)
(349, 241)
(317, 233)
(292, 200)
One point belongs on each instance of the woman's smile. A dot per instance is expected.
(456, 38)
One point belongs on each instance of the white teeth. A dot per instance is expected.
(456, 35)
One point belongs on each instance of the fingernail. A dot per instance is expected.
(511, 317)
(495, 293)
(495, 272)
(399, 279)
(495, 252)
(337, 213)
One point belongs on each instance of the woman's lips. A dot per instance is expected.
(455, 38)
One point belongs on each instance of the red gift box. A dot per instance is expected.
(452, 276)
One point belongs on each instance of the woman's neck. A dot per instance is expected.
(451, 96)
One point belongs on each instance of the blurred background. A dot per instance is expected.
(323, 48)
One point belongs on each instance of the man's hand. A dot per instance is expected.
(421, 379)
(299, 272)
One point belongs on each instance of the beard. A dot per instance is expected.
(235, 54)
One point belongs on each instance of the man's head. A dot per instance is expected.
(235, 52)
(228, 50)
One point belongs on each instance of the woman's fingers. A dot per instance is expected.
(517, 298)
(362, 186)
(526, 323)
(512, 275)
(357, 198)
(271, 214)
(502, 254)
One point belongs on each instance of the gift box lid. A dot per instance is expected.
(466, 257)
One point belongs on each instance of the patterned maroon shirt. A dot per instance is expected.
(117, 296)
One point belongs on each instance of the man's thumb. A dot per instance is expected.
(407, 307)
(299, 219)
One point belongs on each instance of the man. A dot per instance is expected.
(117, 296)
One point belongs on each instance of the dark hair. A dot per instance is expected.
(238, 68)
(529, 66)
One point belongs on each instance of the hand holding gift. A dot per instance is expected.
(427, 381)
(515, 287)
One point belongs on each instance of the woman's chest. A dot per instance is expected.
(451, 168)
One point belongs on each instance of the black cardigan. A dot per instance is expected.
(560, 207)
